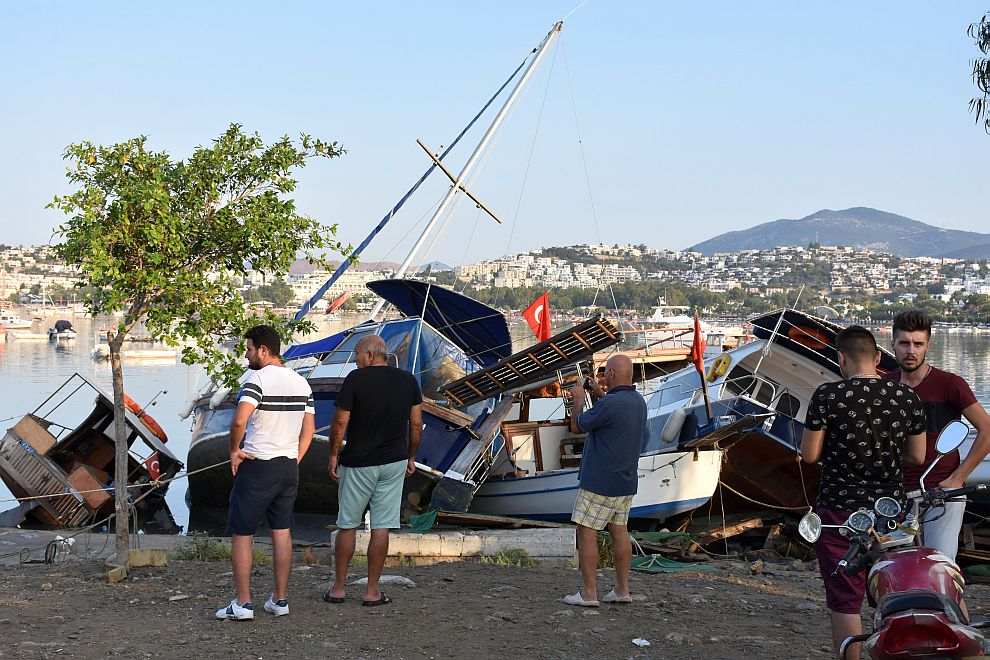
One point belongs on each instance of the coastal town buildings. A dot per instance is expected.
(838, 272)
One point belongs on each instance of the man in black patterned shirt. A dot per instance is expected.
(860, 429)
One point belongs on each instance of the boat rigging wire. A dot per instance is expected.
(584, 160)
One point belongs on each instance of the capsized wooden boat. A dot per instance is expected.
(59, 461)
(759, 395)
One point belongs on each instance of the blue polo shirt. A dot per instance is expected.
(616, 434)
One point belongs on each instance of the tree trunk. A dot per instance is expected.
(120, 457)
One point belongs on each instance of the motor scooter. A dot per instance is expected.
(916, 590)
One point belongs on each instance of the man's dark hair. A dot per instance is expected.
(856, 343)
(913, 321)
(265, 335)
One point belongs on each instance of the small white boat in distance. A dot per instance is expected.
(61, 330)
(22, 335)
(12, 321)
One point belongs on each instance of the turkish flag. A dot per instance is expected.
(152, 465)
(538, 317)
(698, 346)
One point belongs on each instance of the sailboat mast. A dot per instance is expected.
(538, 54)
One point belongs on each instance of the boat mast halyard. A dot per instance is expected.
(457, 185)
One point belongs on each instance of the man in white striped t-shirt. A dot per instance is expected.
(275, 419)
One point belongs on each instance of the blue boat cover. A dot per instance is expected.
(479, 330)
(317, 347)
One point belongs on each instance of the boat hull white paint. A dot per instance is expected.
(669, 483)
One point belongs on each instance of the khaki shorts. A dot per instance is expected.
(598, 511)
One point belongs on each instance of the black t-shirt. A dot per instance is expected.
(866, 422)
(379, 399)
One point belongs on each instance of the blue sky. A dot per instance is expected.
(695, 118)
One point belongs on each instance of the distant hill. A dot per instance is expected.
(859, 227)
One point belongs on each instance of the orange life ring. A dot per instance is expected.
(813, 338)
(146, 419)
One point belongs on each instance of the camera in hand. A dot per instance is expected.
(587, 384)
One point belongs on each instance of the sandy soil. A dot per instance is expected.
(455, 610)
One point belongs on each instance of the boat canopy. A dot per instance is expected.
(317, 347)
(479, 330)
(810, 336)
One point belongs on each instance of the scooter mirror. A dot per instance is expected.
(810, 527)
(951, 437)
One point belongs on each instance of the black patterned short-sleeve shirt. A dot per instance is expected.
(866, 422)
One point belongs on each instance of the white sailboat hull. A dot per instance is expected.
(669, 483)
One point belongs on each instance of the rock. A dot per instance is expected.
(502, 616)
(134, 601)
(639, 598)
(182, 642)
(756, 567)
(562, 613)
(390, 579)
(807, 607)
(798, 565)
(4, 622)
(47, 586)
(676, 638)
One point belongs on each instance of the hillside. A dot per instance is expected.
(859, 227)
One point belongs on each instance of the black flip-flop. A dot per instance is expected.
(332, 599)
(384, 600)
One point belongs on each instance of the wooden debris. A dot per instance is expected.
(487, 520)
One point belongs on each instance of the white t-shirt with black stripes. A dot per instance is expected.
(282, 398)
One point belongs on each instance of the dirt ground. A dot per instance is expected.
(461, 609)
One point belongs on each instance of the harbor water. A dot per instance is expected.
(32, 369)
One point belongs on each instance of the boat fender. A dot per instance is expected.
(719, 367)
(672, 427)
(188, 408)
(146, 419)
(218, 397)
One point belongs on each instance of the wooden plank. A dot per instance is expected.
(488, 520)
(494, 380)
(559, 352)
(577, 335)
(475, 389)
(536, 360)
(514, 370)
(728, 531)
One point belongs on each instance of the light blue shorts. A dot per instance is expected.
(376, 486)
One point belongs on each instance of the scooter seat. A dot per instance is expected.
(920, 600)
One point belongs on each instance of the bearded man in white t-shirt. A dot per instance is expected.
(275, 419)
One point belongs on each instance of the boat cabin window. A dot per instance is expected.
(742, 382)
(739, 381)
(788, 404)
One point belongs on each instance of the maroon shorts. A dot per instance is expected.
(843, 593)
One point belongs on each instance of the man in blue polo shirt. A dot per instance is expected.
(616, 432)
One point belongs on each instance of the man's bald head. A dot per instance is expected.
(622, 370)
(371, 350)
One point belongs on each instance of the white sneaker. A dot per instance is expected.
(237, 612)
(277, 607)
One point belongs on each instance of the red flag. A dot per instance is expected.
(152, 465)
(698, 346)
(538, 317)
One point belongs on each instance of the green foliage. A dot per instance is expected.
(200, 546)
(511, 557)
(980, 106)
(166, 240)
(606, 552)
(278, 293)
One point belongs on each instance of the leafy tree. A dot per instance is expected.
(164, 241)
(980, 106)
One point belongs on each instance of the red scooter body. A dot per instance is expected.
(917, 592)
